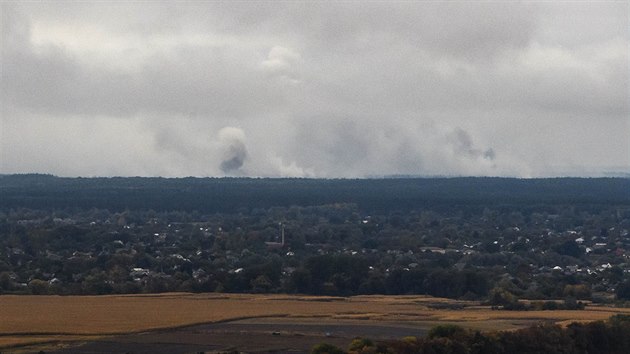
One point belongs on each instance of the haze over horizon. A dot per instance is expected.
(296, 89)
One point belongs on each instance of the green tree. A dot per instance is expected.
(38, 287)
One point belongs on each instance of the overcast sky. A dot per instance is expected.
(315, 89)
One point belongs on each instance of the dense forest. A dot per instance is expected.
(213, 195)
(492, 239)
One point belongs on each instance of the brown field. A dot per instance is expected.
(52, 319)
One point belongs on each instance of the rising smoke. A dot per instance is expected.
(232, 141)
(463, 145)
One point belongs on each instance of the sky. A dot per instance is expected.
(315, 89)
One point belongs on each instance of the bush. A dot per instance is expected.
(360, 343)
(325, 348)
(446, 331)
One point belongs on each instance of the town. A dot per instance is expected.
(480, 251)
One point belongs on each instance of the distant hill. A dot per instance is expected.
(231, 194)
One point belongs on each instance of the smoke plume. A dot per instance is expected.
(232, 142)
(463, 145)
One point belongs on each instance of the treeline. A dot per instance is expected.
(234, 194)
(333, 275)
(346, 275)
(601, 337)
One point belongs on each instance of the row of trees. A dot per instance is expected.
(347, 275)
(340, 275)
(609, 337)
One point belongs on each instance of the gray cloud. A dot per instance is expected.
(519, 89)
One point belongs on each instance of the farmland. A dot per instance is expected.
(60, 319)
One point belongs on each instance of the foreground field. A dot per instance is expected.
(53, 319)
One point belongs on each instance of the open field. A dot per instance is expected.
(54, 319)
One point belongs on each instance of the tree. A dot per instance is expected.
(569, 248)
(623, 291)
(300, 281)
(579, 291)
(499, 296)
(261, 284)
(6, 283)
(38, 287)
